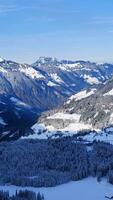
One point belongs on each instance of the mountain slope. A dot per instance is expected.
(16, 118)
(48, 82)
(46, 85)
(87, 110)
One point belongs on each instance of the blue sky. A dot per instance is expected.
(72, 29)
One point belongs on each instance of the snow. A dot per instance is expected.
(87, 189)
(65, 116)
(2, 121)
(81, 95)
(2, 102)
(96, 114)
(35, 136)
(74, 65)
(37, 127)
(51, 84)
(6, 132)
(3, 70)
(1, 59)
(100, 63)
(75, 127)
(18, 102)
(42, 59)
(111, 119)
(91, 80)
(109, 93)
(62, 67)
(40, 132)
(69, 67)
(29, 71)
(56, 78)
(52, 133)
(109, 129)
(99, 136)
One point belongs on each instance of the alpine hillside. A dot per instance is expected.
(48, 82)
(46, 85)
(88, 111)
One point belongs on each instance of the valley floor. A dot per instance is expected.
(87, 189)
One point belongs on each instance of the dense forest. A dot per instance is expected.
(49, 163)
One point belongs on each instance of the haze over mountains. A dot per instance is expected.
(48, 83)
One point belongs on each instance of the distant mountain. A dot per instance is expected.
(45, 85)
(48, 82)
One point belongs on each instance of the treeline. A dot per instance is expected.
(49, 163)
(21, 195)
(101, 161)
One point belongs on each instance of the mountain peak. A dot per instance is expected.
(1, 59)
(46, 59)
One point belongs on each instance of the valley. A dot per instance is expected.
(56, 126)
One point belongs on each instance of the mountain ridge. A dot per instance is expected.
(48, 83)
(90, 109)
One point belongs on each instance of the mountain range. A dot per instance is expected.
(48, 83)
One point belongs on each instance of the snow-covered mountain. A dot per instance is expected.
(48, 82)
(88, 111)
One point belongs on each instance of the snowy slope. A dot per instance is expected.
(90, 109)
(54, 79)
(47, 83)
(88, 189)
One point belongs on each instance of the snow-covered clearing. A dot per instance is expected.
(87, 189)
(65, 116)
(102, 136)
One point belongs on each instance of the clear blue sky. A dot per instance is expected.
(72, 29)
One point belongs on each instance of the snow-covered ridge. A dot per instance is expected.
(29, 71)
(70, 66)
(81, 95)
(109, 93)
(56, 78)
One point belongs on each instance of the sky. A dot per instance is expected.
(65, 29)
